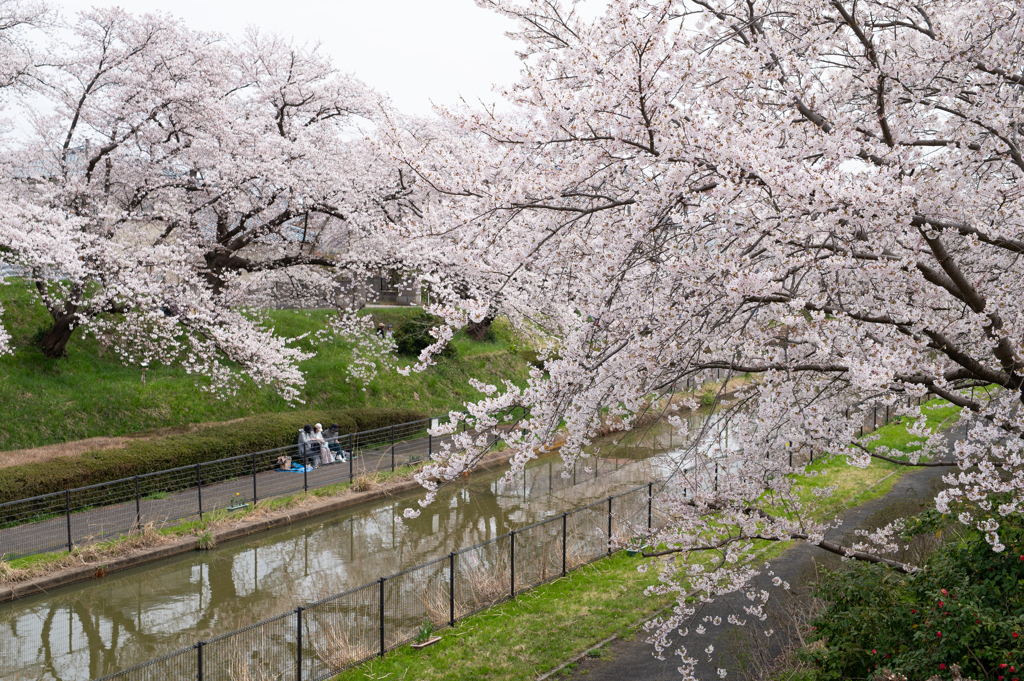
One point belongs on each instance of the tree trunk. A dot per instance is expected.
(479, 330)
(54, 342)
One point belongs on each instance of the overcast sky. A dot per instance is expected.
(417, 51)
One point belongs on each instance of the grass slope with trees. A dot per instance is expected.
(89, 393)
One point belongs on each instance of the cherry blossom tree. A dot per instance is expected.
(823, 194)
(18, 62)
(193, 171)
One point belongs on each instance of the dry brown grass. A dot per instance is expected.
(96, 554)
(364, 483)
(339, 646)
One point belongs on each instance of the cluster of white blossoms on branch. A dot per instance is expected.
(168, 179)
(822, 196)
(826, 196)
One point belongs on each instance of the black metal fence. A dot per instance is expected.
(319, 640)
(83, 515)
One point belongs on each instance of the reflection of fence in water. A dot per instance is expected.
(321, 639)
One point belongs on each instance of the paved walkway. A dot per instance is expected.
(737, 648)
(110, 509)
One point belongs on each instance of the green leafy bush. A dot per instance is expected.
(253, 434)
(966, 607)
(413, 334)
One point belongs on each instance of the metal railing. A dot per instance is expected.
(319, 640)
(83, 515)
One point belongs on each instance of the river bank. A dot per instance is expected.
(151, 545)
(135, 615)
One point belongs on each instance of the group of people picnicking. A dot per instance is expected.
(318, 447)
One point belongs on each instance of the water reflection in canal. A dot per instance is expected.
(91, 629)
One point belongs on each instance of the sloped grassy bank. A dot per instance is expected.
(90, 393)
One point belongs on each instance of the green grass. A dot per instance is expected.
(519, 639)
(859, 485)
(90, 393)
(523, 638)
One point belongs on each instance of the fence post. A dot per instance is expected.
(430, 445)
(138, 505)
(650, 503)
(199, 660)
(298, 647)
(351, 460)
(392, 448)
(381, 615)
(609, 526)
(512, 562)
(451, 589)
(199, 490)
(254, 479)
(564, 516)
(305, 471)
(67, 512)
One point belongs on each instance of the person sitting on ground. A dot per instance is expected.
(319, 444)
(334, 443)
(390, 333)
(304, 449)
(380, 329)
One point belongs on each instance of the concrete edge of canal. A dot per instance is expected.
(235, 530)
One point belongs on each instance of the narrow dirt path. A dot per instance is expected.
(20, 457)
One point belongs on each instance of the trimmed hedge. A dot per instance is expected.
(372, 419)
(252, 434)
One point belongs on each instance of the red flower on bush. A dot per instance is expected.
(942, 665)
(943, 592)
(939, 634)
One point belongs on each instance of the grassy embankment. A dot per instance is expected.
(520, 639)
(90, 393)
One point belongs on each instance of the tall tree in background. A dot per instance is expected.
(18, 62)
(191, 171)
(826, 195)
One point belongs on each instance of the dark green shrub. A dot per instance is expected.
(372, 419)
(253, 434)
(966, 607)
(413, 334)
